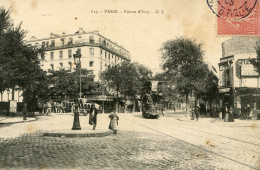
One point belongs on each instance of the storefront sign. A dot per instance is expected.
(225, 90)
(248, 70)
(13, 106)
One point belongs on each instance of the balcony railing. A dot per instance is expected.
(80, 43)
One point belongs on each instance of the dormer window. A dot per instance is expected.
(91, 39)
(62, 41)
(52, 43)
(70, 41)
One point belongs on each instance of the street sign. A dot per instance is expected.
(225, 90)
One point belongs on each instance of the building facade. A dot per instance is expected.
(238, 81)
(97, 51)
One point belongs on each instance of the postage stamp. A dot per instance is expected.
(236, 17)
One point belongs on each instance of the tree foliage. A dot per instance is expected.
(185, 69)
(183, 59)
(123, 78)
(19, 63)
(62, 84)
(256, 61)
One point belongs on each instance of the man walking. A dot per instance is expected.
(25, 111)
(197, 112)
(93, 116)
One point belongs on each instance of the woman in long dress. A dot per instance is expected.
(113, 125)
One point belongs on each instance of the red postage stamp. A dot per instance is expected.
(236, 17)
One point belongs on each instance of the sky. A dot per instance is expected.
(142, 34)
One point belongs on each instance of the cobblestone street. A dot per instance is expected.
(140, 144)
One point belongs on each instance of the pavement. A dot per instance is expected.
(207, 119)
(11, 120)
(165, 143)
(58, 132)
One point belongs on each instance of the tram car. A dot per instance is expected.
(152, 100)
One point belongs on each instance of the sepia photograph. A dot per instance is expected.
(130, 84)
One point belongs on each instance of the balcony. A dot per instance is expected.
(92, 43)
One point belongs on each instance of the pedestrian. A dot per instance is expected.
(231, 115)
(226, 113)
(24, 111)
(93, 116)
(113, 125)
(197, 112)
(49, 108)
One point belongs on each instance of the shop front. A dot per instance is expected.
(249, 99)
(226, 97)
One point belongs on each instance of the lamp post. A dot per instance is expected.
(76, 124)
(8, 92)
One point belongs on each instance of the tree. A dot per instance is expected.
(183, 59)
(169, 90)
(256, 61)
(144, 73)
(123, 78)
(19, 63)
(62, 83)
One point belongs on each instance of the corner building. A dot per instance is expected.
(97, 51)
(238, 81)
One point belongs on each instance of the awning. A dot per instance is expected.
(99, 98)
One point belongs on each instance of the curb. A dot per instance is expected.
(75, 135)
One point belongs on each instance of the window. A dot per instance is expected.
(79, 50)
(52, 66)
(101, 65)
(91, 51)
(91, 63)
(108, 56)
(42, 56)
(61, 55)
(100, 52)
(52, 55)
(47, 44)
(70, 65)
(79, 36)
(70, 42)
(91, 39)
(43, 44)
(52, 43)
(69, 53)
(61, 65)
(62, 41)
(105, 55)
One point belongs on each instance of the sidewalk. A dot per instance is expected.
(206, 119)
(11, 120)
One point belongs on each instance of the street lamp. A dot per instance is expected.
(8, 92)
(76, 124)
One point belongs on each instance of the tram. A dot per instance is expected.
(152, 100)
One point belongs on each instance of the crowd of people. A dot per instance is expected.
(47, 108)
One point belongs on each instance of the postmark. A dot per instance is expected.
(236, 17)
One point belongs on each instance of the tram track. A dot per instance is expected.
(221, 136)
(202, 148)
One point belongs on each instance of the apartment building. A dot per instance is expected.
(97, 51)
